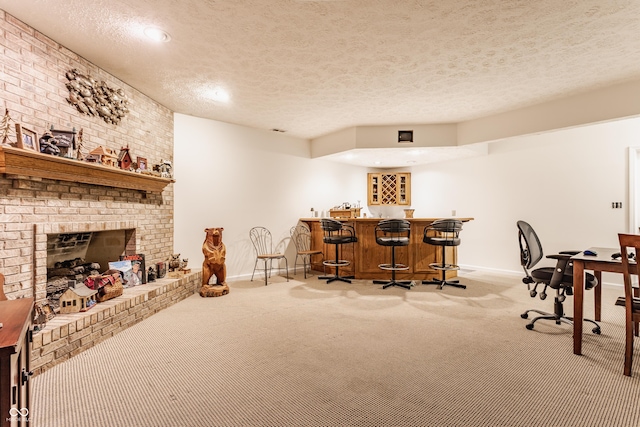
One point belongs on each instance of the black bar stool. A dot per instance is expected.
(392, 233)
(443, 233)
(336, 233)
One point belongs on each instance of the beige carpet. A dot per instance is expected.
(312, 354)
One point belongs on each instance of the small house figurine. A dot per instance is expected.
(124, 158)
(108, 157)
(78, 298)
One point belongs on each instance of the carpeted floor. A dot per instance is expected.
(315, 354)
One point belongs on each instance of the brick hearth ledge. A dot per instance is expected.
(66, 335)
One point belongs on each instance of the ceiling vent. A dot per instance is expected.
(405, 136)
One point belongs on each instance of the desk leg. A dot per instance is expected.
(578, 295)
(597, 295)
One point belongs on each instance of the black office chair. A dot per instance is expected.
(443, 233)
(559, 277)
(338, 234)
(392, 233)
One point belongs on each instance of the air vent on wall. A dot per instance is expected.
(405, 136)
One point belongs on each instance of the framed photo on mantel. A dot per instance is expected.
(27, 139)
(142, 163)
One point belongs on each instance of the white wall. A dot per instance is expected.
(236, 177)
(562, 183)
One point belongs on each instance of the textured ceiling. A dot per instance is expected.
(313, 67)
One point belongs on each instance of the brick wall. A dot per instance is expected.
(32, 87)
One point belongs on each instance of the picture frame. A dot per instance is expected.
(142, 163)
(27, 139)
(124, 267)
(66, 141)
(138, 266)
(68, 136)
(161, 269)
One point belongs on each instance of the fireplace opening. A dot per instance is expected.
(72, 257)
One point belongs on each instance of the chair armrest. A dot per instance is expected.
(349, 229)
(560, 256)
(559, 270)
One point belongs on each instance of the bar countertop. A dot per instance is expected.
(365, 255)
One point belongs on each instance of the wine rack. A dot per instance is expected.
(389, 189)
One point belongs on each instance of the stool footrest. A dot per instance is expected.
(437, 266)
(391, 267)
(336, 263)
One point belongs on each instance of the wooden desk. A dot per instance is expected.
(598, 264)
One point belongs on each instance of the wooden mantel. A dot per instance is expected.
(17, 161)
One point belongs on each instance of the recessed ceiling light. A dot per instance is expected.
(377, 162)
(219, 95)
(157, 34)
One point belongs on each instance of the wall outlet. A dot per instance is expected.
(453, 212)
(616, 205)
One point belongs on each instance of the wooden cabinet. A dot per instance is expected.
(15, 316)
(389, 189)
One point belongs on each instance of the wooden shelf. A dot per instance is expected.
(17, 161)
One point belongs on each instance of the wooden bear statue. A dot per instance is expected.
(214, 257)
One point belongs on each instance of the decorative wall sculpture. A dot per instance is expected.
(96, 98)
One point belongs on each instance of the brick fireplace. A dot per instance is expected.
(33, 89)
(31, 209)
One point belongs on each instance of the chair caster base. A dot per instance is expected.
(557, 319)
